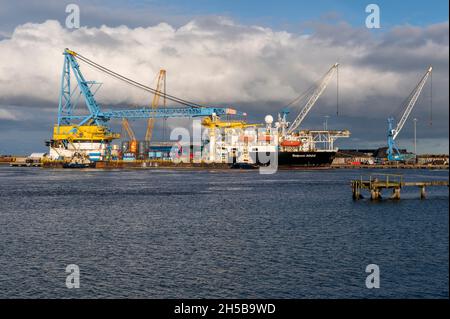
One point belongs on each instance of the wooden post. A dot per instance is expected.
(422, 192)
(356, 187)
(375, 193)
(396, 193)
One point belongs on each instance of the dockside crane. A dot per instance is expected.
(92, 126)
(127, 127)
(312, 96)
(393, 153)
(160, 88)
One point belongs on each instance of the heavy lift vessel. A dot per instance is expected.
(83, 139)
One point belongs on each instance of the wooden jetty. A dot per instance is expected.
(394, 182)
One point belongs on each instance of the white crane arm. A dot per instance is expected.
(411, 103)
(312, 99)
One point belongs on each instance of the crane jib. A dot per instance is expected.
(410, 105)
(97, 116)
(319, 89)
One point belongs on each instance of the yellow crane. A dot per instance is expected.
(126, 125)
(133, 146)
(160, 87)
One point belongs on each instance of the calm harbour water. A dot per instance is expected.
(217, 234)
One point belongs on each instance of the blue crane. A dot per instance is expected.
(97, 116)
(393, 153)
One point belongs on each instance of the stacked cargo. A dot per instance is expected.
(126, 153)
(136, 150)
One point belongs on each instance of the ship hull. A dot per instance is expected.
(302, 159)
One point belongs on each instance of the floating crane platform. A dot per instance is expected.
(394, 182)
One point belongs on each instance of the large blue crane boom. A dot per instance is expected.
(97, 116)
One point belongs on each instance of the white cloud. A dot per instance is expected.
(7, 115)
(207, 62)
(216, 61)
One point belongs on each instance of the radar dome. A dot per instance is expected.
(268, 119)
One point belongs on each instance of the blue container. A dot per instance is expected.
(129, 157)
(94, 156)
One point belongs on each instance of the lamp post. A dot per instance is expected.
(415, 136)
(326, 122)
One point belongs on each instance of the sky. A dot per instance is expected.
(253, 55)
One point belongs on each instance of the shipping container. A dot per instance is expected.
(129, 157)
(95, 156)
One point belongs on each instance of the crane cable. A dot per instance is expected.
(311, 89)
(402, 107)
(137, 84)
(302, 96)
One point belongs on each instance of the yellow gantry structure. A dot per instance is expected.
(214, 122)
(94, 133)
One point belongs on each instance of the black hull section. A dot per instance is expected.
(79, 165)
(305, 159)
